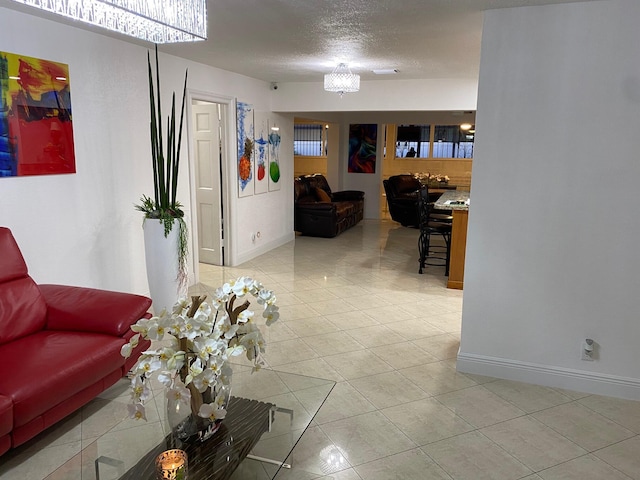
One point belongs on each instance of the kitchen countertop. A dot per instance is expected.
(453, 200)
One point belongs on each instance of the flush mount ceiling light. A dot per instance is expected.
(341, 80)
(465, 126)
(157, 21)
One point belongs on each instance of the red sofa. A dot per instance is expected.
(59, 346)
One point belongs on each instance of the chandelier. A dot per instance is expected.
(341, 80)
(157, 21)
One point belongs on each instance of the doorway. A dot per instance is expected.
(209, 118)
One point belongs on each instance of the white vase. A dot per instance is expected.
(161, 254)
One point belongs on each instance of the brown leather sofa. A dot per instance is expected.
(319, 212)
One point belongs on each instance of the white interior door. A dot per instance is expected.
(207, 149)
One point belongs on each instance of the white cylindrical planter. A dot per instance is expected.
(161, 254)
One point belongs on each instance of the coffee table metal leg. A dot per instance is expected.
(272, 414)
(269, 460)
(111, 462)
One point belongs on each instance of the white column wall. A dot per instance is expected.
(82, 229)
(552, 250)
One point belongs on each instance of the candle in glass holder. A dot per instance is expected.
(172, 465)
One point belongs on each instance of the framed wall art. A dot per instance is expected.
(363, 139)
(36, 127)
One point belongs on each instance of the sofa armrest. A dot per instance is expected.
(92, 310)
(346, 195)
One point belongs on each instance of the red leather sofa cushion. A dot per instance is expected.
(68, 362)
(91, 310)
(6, 415)
(22, 309)
(12, 263)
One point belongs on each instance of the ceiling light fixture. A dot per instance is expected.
(341, 80)
(465, 126)
(157, 21)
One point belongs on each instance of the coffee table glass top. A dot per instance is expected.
(295, 398)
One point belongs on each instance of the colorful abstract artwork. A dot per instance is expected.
(244, 112)
(362, 148)
(36, 130)
(261, 152)
(274, 158)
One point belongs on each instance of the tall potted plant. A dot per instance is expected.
(165, 231)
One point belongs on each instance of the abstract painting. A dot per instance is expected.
(274, 157)
(261, 152)
(362, 148)
(36, 130)
(244, 113)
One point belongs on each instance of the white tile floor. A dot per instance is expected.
(354, 309)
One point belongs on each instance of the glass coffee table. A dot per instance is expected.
(267, 415)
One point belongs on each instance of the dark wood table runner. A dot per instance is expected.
(219, 456)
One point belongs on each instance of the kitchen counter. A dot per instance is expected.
(453, 200)
(458, 202)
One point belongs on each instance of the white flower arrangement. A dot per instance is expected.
(201, 339)
(431, 178)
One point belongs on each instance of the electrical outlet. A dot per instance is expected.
(588, 350)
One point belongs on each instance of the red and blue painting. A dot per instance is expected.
(36, 130)
(362, 148)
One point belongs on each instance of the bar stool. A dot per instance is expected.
(432, 223)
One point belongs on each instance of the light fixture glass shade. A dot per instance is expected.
(341, 80)
(157, 21)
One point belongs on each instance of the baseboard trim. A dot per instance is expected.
(550, 376)
(264, 248)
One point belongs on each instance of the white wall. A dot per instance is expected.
(81, 229)
(379, 95)
(552, 251)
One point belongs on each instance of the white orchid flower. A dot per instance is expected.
(224, 328)
(245, 316)
(147, 365)
(246, 328)
(140, 391)
(216, 364)
(271, 313)
(127, 348)
(266, 297)
(136, 411)
(179, 392)
(165, 378)
(205, 380)
(166, 355)
(142, 326)
(207, 347)
(180, 305)
(251, 342)
(242, 286)
(158, 329)
(212, 411)
(221, 296)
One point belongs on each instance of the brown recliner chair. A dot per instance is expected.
(402, 198)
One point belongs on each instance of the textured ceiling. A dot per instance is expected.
(300, 40)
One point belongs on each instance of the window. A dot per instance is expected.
(309, 140)
(451, 141)
(413, 141)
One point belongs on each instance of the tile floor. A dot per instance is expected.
(354, 309)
